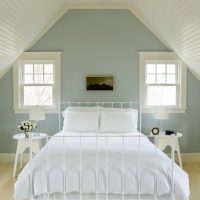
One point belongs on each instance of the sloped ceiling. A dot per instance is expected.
(176, 23)
(21, 21)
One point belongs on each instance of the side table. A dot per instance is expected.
(23, 143)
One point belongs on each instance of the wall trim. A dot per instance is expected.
(186, 157)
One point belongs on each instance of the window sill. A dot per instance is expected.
(170, 110)
(27, 110)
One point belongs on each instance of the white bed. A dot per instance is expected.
(56, 162)
(100, 155)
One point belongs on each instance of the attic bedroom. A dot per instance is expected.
(99, 99)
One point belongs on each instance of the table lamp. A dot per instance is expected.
(37, 114)
(160, 113)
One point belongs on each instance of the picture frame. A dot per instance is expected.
(99, 83)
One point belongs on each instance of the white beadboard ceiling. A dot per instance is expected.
(175, 22)
(21, 21)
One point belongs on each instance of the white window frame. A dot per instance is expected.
(165, 57)
(36, 57)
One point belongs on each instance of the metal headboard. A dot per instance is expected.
(135, 105)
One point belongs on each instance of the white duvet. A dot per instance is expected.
(161, 168)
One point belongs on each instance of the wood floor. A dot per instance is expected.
(7, 182)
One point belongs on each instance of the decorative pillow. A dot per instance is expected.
(119, 122)
(81, 121)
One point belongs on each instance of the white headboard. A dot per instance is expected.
(135, 105)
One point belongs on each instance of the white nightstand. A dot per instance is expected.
(23, 144)
(162, 141)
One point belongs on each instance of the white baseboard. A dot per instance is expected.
(186, 157)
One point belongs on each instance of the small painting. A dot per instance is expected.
(99, 83)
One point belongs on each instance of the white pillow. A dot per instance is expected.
(81, 121)
(117, 109)
(81, 109)
(119, 122)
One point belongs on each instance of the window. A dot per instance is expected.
(37, 82)
(162, 81)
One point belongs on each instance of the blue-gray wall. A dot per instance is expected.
(100, 42)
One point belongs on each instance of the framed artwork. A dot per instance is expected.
(99, 83)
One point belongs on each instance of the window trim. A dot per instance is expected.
(17, 79)
(182, 79)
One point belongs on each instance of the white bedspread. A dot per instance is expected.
(148, 172)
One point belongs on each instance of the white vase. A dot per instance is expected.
(27, 133)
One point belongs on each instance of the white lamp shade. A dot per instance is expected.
(161, 113)
(37, 114)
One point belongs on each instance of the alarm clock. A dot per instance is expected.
(155, 131)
